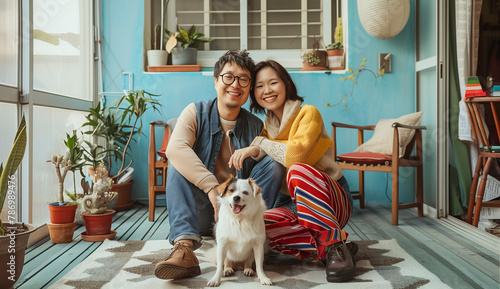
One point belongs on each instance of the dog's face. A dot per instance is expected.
(241, 195)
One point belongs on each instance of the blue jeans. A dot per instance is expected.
(190, 212)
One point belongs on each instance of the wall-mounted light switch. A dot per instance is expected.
(384, 61)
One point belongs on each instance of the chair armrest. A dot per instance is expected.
(420, 127)
(361, 127)
(158, 122)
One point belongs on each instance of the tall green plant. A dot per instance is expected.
(13, 161)
(135, 104)
(117, 124)
(103, 123)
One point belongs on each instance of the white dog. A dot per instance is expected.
(240, 231)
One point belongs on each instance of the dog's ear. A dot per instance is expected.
(223, 187)
(255, 187)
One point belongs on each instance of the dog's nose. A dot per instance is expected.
(236, 199)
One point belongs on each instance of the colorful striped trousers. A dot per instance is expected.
(323, 210)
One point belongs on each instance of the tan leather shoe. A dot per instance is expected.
(181, 263)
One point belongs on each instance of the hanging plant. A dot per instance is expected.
(353, 76)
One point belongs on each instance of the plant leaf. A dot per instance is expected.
(13, 160)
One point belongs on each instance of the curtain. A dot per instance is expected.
(464, 40)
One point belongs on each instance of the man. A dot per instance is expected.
(204, 138)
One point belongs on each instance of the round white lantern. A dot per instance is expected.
(383, 19)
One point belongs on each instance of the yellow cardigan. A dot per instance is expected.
(302, 134)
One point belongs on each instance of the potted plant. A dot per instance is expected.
(117, 124)
(13, 235)
(158, 56)
(62, 215)
(335, 51)
(184, 45)
(97, 216)
(315, 59)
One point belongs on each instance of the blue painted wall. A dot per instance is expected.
(373, 99)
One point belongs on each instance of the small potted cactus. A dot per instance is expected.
(62, 215)
(97, 217)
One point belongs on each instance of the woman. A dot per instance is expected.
(295, 136)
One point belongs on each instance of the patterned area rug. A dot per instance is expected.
(116, 264)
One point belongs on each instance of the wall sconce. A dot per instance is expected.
(383, 19)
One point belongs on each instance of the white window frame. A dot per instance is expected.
(26, 98)
(289, 58)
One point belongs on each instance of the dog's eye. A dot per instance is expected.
(245, 193)
(231, 190)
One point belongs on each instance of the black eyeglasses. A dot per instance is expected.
(229, 78)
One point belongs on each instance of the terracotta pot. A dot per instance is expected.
(12, 249)
(322, 65)
(61, 233)
(98, 224)
(124, 201)
(335, 52)
(62, 214)
(335, 59)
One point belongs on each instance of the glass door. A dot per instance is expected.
(432, 99)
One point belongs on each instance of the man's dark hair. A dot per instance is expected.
(241, 58)
(291, 89)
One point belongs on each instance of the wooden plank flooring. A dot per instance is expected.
(453, 256)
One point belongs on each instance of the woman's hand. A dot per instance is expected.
(240, 155)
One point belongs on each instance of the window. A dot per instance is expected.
(46, 58)
(278, 29)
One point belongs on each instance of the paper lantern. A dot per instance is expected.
(383, 19)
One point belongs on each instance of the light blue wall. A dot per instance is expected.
(374, 99)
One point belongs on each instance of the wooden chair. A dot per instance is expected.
(362, 162)
(158, 163)
(487, 141)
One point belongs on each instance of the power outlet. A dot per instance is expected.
(385, 58)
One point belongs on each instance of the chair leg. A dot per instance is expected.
(473, 189)
(395, 195)
(420, 190)
(480, 192)
(151, 195)
(362, 189)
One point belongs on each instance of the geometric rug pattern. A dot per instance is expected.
(129, 264)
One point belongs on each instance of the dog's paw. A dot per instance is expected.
(265, 281)
(214, 282)
(248, 271)
(228, 271)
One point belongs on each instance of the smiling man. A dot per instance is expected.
(205, 136)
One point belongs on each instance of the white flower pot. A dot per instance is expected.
(157, 57)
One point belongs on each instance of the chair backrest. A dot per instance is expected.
(169, 128)
(485, 123)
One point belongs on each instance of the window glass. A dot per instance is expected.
(61, 45)
(9, 45)
(49, 133)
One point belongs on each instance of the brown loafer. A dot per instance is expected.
(340, 265)
(181, 263)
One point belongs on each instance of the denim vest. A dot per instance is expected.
(209, 135)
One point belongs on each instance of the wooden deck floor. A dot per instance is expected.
(452, 255)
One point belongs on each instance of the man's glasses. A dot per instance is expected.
(229, 78)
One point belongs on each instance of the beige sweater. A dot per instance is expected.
(187, 163)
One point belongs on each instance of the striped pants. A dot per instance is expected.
(323, 210)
